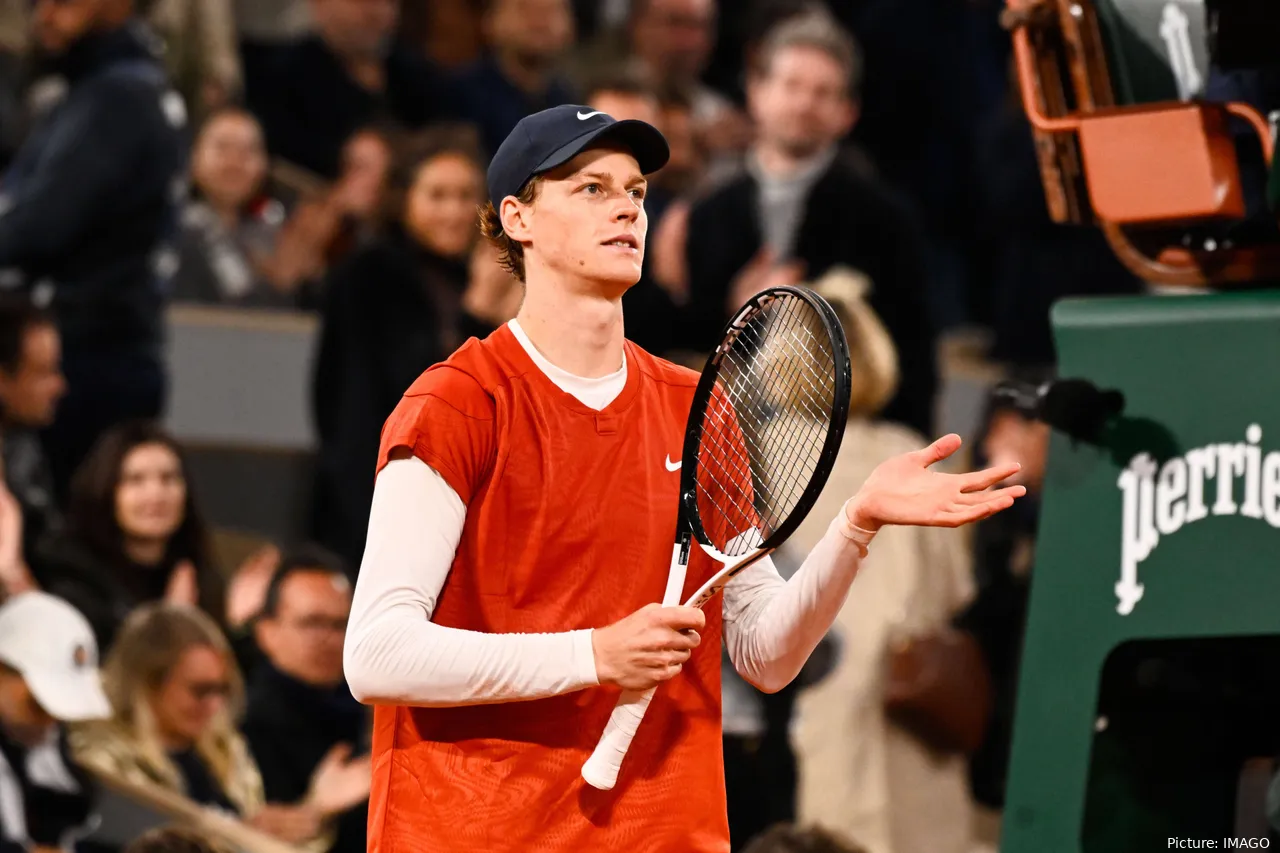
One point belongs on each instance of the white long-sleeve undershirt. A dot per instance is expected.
(394, 654)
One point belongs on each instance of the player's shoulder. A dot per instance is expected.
(666, 374)
(465, 381)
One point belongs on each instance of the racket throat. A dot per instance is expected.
(676, 576)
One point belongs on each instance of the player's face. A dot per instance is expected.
(587, 222)
(801, 102)
(440, 211)
(152, 495)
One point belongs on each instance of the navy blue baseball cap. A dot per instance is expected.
(553, 137)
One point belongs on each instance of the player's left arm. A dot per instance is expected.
(771, 626)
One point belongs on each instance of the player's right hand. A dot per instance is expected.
(648, 647)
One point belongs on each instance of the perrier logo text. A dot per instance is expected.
(1160, 498)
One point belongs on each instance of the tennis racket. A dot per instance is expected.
(764, 429)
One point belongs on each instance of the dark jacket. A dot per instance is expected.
(56, 797)
(90, 198)
(309, 106)
(848, 220)
(27, 474)
(485, 97)
(106, 592)
(392, 310)
(290, 727)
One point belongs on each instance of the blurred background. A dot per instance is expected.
(232, 232)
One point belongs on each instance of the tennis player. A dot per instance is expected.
(520, 537)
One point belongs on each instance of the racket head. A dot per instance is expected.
(766, 423)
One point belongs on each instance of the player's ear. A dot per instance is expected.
(516, 219)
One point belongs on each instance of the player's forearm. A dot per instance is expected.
(394, 654)
(404, 660)
(772, 625)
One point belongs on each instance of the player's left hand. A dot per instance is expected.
(903, 490)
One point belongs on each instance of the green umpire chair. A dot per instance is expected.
(1148, 711)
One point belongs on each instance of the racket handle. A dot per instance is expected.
(601, 769)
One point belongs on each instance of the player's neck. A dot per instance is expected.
(579, 333)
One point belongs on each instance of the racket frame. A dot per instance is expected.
(600, 771)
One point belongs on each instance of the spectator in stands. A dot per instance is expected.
(226, 251)
(860, 772)
(394, 309)
(87, 221)
(299, 711)
(200, 51)
(674, 39)
(172, 840)
(793, 839)
(684, 171)
(311, 96)
(800, 209)
(134, 533)
(48, 677)
(1004, 555)
(31, 384)
(518, 76)
(175, 693)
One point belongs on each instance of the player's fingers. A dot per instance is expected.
(677, 656)
(939, 450)
(670, 672)
(682, 618)
(685, 640)
(985, 479)
(983, 510)
(981, 498)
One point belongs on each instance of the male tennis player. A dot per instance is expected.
(520, 537)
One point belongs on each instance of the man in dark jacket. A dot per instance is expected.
(86, 208)
(311, 96)
(801, 209)
(300, 713)
(31, 384)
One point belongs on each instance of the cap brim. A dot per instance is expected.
(645, 142)
(71, 697)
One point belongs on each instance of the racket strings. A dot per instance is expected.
(765, 425)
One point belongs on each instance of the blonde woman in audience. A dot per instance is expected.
(860, 774)
(175, 695)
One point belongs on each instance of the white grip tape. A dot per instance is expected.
(601, 769)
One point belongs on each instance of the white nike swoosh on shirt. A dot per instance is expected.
(584, 116)
(672, 466)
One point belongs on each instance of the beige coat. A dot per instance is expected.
(858, 773)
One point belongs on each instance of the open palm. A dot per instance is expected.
(904, 490)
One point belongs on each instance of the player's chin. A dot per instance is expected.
(620, 269)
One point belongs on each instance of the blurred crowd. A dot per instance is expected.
(328, 156)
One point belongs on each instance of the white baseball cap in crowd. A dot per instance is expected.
(51, 645)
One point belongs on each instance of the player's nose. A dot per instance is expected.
(626, 211)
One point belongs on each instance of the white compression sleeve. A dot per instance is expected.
(394, 654)
(771, 626)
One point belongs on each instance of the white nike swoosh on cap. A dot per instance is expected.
(584, 116)
(673, 466)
